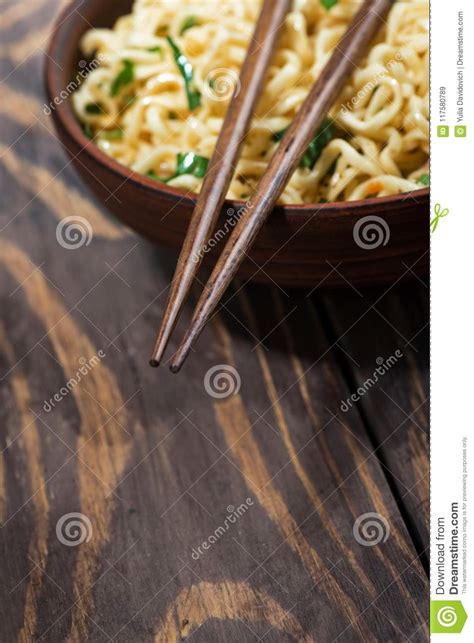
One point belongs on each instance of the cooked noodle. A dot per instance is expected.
(138, 111)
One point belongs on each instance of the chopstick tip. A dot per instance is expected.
(158, 352)
(181, 355)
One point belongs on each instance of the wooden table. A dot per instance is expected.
(199, 515)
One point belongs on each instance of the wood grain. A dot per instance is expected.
(60, 199)
(102, 443)
(155, 465)
(398, 415)
(225, 601)
(30, 443)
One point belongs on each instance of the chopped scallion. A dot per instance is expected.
(124, 78)
(186, 69)
(188, 23)
(424, 180)
(189, 163)
(319, 142)
(94, 108)
(328, 4)
(114, 134)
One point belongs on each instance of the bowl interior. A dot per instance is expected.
(65, 59)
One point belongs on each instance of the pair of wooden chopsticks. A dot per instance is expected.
(343, 62)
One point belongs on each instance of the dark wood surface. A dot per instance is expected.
(154, 463)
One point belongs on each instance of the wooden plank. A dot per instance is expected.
(297, 529)
(156, 465)
(387, 329)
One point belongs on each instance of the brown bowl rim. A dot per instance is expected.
(72, 126)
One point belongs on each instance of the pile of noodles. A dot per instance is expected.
(379, 127)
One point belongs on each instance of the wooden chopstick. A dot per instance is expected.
(325, 91)
(222, 164)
